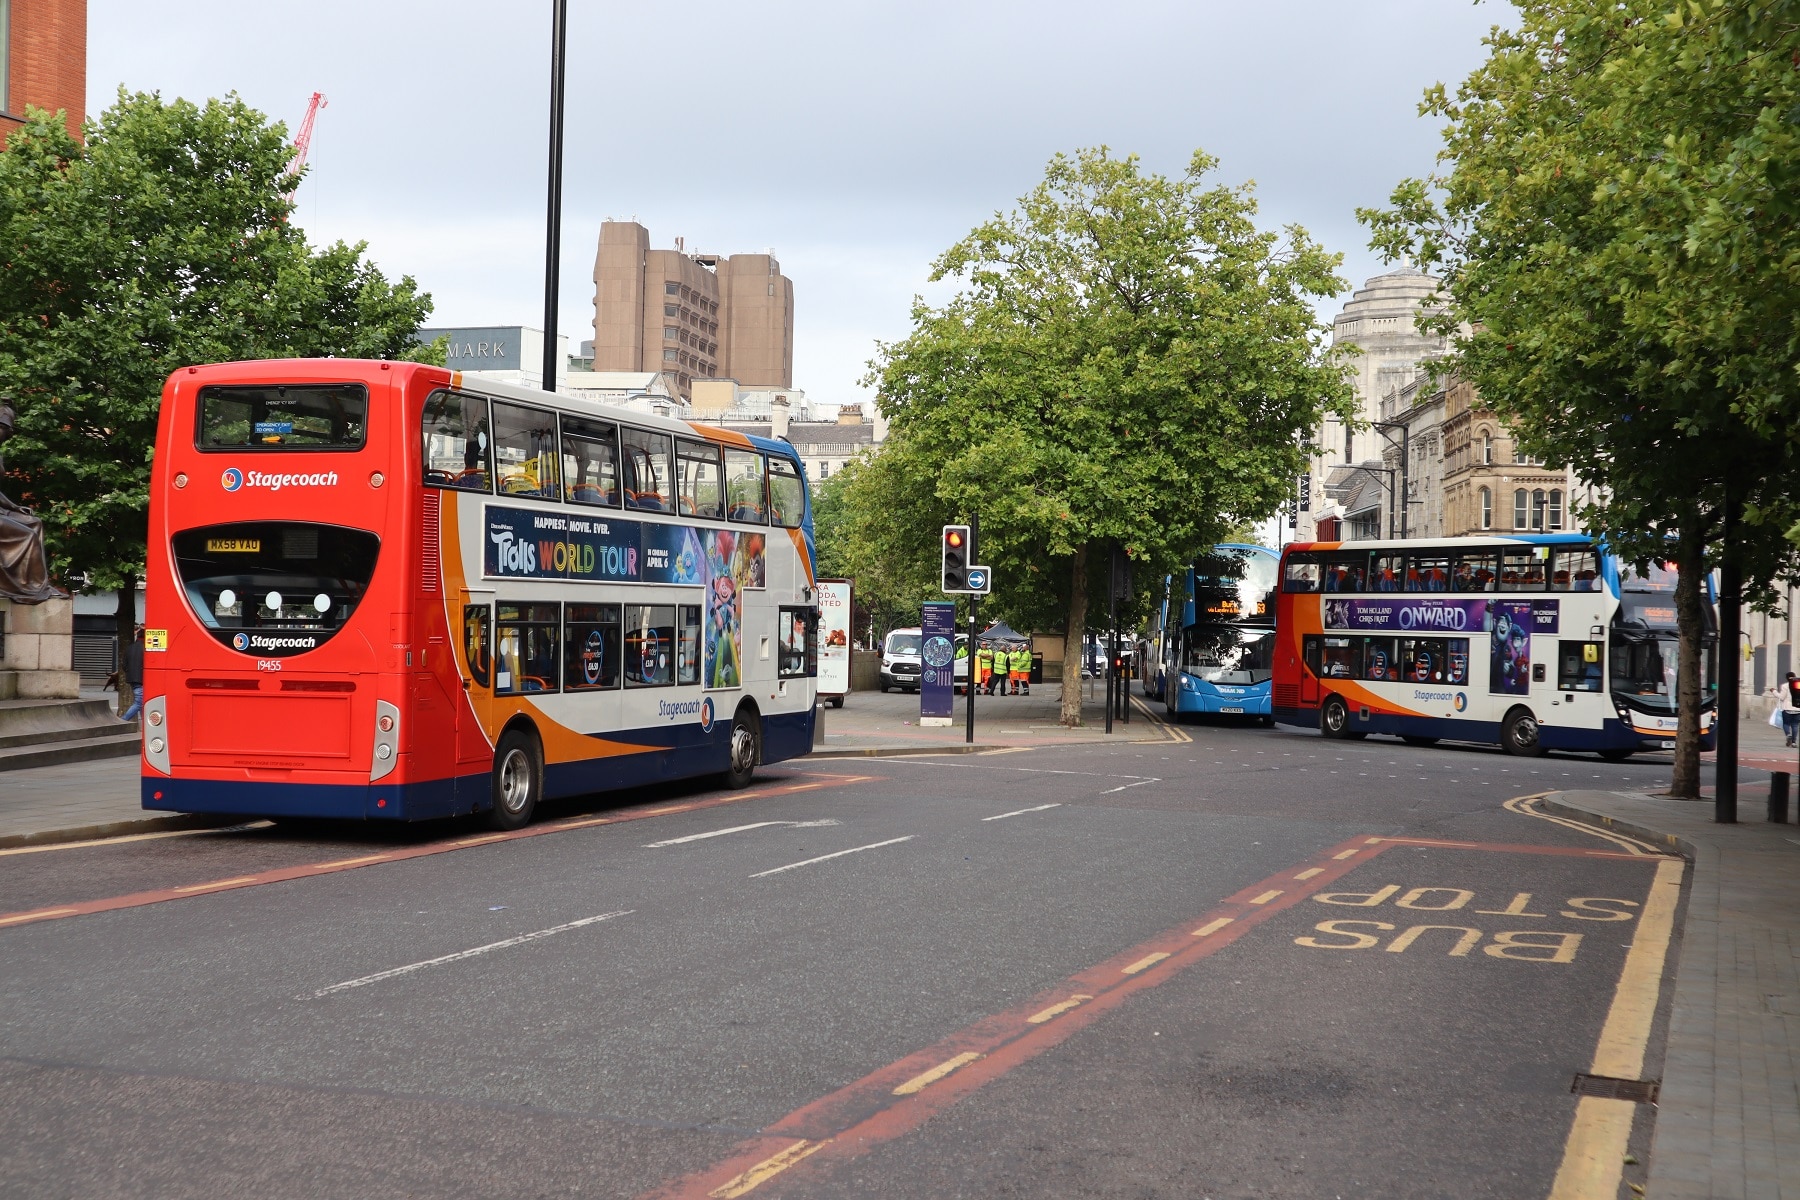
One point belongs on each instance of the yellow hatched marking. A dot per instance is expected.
(1594, 1155)
(217, 883)
(767, 1169)
(925, 1079)
(1310, 872)
(1371, 841)
(1345, 854)
(1267, 896)
(1212, 927)
(16, 918)
(354, 862)
(1057, 1010)
(1145, 963)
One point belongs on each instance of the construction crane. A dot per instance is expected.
(303, 141)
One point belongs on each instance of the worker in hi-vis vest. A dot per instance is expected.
(984, 666)
(1020, 661)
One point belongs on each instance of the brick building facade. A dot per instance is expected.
(43, 60)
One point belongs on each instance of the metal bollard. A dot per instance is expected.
(1778, 798)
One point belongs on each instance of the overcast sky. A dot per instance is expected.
(857, 140)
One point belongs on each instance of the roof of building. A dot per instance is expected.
(815, 433)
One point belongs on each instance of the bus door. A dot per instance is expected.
(1309, 674)
(474, 753)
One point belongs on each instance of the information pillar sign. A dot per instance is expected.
(937, 687)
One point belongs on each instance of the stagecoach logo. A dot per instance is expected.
(240, 641)
(706, 715)
(1462, 701)
(235, 480)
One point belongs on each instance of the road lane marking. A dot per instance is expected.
(1212, 927)
(1347, 854)
(1594, 1154)
(441, 959)
(823, 857)
(925, 1079)
(918, 762)
(864, 1114)
(1139, 783)
(1144, 963)
(1309, 873)
(1056, 1010)
(697, 837)
(1021, 811)
(1267, 896)
(134, 837)
(767, 1169)
(311, 870)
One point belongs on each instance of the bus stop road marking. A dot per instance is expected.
(898, 1098)
(399, 854)
(441, 959)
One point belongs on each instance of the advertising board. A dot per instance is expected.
(834, 639)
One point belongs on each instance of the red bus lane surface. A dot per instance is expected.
(1424, 913)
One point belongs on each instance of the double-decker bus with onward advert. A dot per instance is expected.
(378, 590)
(1220, 640)
(1535, 642)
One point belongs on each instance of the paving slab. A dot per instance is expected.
(1728, 1121)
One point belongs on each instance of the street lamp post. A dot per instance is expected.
(1402, 501)
(559, 36)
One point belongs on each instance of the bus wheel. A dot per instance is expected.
(1616, 755)
(518, 780)
(1334, 719)
(743, 750)
(1519, 734)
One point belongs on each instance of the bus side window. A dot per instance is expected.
(687, 649)
(590, 460)
(697, 475)
(745, 499)
(787, 494)
(1310, 652)
(457, 451)
(1578, 666)
(1301, 575)
(525, 451)
(477, 645)
(647, 483)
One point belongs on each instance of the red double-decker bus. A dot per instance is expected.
(376, 590)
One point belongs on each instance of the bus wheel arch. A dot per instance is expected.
(1519, 733)
(518, 776)
(1334, 719)
(745, 746)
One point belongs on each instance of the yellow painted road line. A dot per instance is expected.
(1212, 927)
(925, 1079)
(1267, 896)
(36, 915)
(1594, 1156)
(1145, 963)
(1345, 854)
(1056, 1010)
(1523, 806)
(354, 862)
(767, 1169)
(132, 837)
(1310, 872)
(217, 883)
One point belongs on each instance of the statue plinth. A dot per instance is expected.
(37, 651)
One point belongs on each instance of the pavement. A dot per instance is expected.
(1729, 1119)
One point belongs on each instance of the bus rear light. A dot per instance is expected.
(384, 752)
(156, 748)
(156, 718)
(387, 735)
(385, 724)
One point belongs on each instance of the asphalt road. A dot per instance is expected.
(1199, 968)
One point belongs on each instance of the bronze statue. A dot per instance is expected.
(24, 568)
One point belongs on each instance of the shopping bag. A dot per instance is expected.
(1775, 717)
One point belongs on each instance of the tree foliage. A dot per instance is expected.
(162, 239)
(1615, 222)
(1131, 361)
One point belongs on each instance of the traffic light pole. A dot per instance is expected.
(974, 631)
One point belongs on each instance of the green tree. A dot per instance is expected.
(1614, 219)
(1131, 362)
(163, 239)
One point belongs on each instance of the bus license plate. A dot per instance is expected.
(1668, 745)
(1231, 710)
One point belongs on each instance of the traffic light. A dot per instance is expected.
(956, 558)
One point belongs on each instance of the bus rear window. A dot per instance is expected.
(309, 416)
(273, 588)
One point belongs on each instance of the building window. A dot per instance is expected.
(1521, 508)
(1538, 504)
(670, 310)
(1487, 509)
(671, 288)
(671, 355)
(670, 333)
(1556, 508)
(1487, 449)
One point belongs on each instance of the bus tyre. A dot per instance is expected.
(518, 780)
(1519, 734)
(1334, 719)
(743, 750)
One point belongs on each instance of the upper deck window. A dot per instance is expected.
(698, 490)
(294, 416)
(787, 494)
(647, 483)
(590, 459)
(525, 451)
(745, 499)
(458, 452)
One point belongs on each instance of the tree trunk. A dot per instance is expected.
(1690, 618)
(1072, 641)
(123, 625)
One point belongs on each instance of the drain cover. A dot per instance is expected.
(1639, 1091)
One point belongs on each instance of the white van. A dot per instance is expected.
(900, 661)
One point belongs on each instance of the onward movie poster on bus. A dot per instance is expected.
(1510, 624)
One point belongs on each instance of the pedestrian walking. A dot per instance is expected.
(131, 673)
(1790, 707)
(1020, 662)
